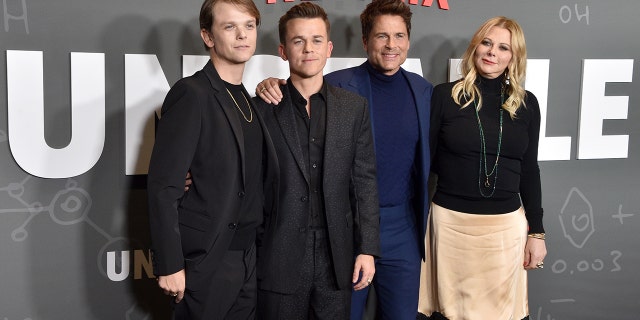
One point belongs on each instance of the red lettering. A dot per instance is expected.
(443, 4)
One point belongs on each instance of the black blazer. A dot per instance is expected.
(199, 131)
(350, 191)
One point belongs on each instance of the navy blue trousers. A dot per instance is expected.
(397, 278)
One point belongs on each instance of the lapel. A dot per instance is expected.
(423, 112)
(228, 107)
(417, 93)
(361, 83)
(335, 128)
(285, 115)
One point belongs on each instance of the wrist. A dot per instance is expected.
(540, 236)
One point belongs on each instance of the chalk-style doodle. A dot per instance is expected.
(620, 216)
(576, 218)
(610, 264)
(68, 206)
(539, 316)
(22, 16)
(566, 15)
(562, 300)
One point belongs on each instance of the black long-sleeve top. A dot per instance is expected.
(456, 146)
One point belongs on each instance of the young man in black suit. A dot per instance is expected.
(399, 103)
(323, 236)
(203, 241)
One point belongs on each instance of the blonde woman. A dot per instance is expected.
(485, 229)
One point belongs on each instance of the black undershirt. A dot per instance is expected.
(251, 212)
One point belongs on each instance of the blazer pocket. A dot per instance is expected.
(194, 219)
(195, 232)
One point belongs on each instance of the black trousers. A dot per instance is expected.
(232, 294)
(317, 296)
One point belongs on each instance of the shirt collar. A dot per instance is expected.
(296, 97)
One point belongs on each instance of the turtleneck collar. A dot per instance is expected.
(490, 86)
(380, 76)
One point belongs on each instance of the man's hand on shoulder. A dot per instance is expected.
(269, 90)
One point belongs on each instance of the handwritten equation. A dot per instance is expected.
(567, 14)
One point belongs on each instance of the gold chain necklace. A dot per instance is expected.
(237, 106)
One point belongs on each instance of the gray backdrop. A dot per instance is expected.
(76, 247)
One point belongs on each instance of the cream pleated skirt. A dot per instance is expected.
(474, 267)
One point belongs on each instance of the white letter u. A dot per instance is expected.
(25, 95)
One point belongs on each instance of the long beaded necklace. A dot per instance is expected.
(237, 106)
(483, 157)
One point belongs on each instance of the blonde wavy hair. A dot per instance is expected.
(466, 91)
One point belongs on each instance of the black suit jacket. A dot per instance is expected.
(199, 131)
(350, 192)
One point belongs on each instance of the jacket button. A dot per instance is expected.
(241, 194)
(232, 226)
(303, 199)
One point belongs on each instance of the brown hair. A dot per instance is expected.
(304, 10)
(206, 12)
(384, 7)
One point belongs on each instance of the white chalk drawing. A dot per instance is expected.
(566, 15)
(22, 16)
(620, 216)
(610, 264)
(539, 316)
(581, 223)
(69, 206)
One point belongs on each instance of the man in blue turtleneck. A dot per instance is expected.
(400, 105)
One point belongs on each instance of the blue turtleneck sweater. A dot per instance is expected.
(395, 130)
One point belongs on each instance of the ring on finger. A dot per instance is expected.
(263, 89)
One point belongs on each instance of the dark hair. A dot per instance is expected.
(384, 7)
(206, 12)
(305, 10)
